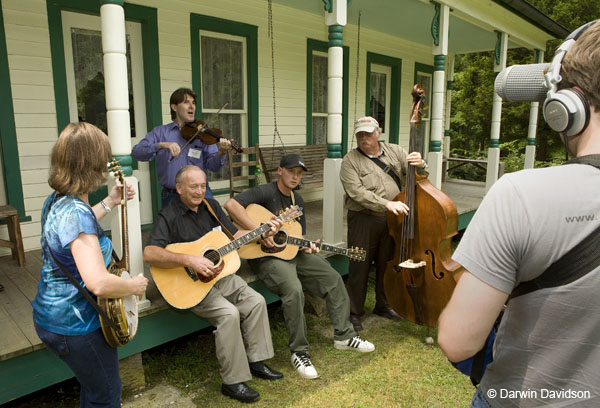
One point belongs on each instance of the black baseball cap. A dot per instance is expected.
(289, 161)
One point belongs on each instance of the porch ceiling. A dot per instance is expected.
(411, 20)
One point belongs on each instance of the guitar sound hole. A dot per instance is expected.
(280, 238)
(214, 256)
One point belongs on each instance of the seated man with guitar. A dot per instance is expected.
(228, 303)
(305, 271)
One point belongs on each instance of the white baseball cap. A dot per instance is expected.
(367, 124)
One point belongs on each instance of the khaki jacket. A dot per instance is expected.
(367, 186)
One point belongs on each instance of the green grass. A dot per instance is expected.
(403, 371)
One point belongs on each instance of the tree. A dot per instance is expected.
(473, 95)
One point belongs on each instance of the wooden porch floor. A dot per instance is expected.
(20, 284)
(19, 339)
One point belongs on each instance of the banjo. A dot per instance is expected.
(122, 311)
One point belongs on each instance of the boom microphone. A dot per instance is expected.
(522, 83)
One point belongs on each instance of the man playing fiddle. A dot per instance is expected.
(165, 143)
(370, 191)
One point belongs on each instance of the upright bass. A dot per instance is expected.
(420, 278)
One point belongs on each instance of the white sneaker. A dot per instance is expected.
(355, 343)
(302, 364)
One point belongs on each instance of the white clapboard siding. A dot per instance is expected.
(30, 66)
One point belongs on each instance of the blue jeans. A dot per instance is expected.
(94, 363)
(479, 401)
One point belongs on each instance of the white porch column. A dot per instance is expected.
(333, 192)
(449, 84)
(532, 130)
(116, 89)
(439, 31)
(494, 150)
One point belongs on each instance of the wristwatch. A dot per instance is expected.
(424, 165)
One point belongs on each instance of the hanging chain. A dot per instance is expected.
(357, 72)
(270, 34)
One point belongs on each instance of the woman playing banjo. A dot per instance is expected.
(65, 321)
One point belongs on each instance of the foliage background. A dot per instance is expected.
(472, 100)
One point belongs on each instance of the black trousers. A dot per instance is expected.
(371, 233)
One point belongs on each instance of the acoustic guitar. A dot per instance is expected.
(182, 287)
(286, 244)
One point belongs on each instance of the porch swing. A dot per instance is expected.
(267, 158)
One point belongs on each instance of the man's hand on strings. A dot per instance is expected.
(312, 249)
(415, 159)
(267, 237)
(202, 265)
(397, 207)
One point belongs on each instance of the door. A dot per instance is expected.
(85, 86)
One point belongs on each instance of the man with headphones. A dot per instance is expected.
(547, 349)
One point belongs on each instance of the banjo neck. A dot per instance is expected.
(125, 259)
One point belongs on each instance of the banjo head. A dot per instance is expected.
(130, 311)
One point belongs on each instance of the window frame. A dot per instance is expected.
(395, 91)
(198, 23)
(147, 17)
(421, 68)
(323, 46)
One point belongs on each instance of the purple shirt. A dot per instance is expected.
(196, 153)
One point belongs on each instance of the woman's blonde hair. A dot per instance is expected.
(78, 159)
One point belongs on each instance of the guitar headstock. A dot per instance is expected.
(290, 213)
(357, 254)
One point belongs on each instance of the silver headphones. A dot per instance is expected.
(566, 111)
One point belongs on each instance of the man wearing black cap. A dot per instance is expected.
(289, 279)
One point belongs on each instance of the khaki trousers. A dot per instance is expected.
(289, 280)
(239, 313)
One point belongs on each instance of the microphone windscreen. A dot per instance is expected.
(522, 83)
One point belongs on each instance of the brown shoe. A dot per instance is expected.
(355, 320)
(388, 313)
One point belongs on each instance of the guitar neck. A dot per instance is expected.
(244, 239)
(301, 242)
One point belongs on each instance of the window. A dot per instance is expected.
(224, 91)
(85, 70)
(316, 93)
(380, 83)
(383, 94)
(82, 38)
(424, 77)
(319, 98)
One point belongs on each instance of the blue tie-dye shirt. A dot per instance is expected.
(58, 306)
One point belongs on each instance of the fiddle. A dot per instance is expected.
(208, 136)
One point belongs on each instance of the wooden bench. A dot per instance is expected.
(312, 155)
(15, 240)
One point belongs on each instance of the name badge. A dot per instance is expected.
(195, 153)
(217, 228)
